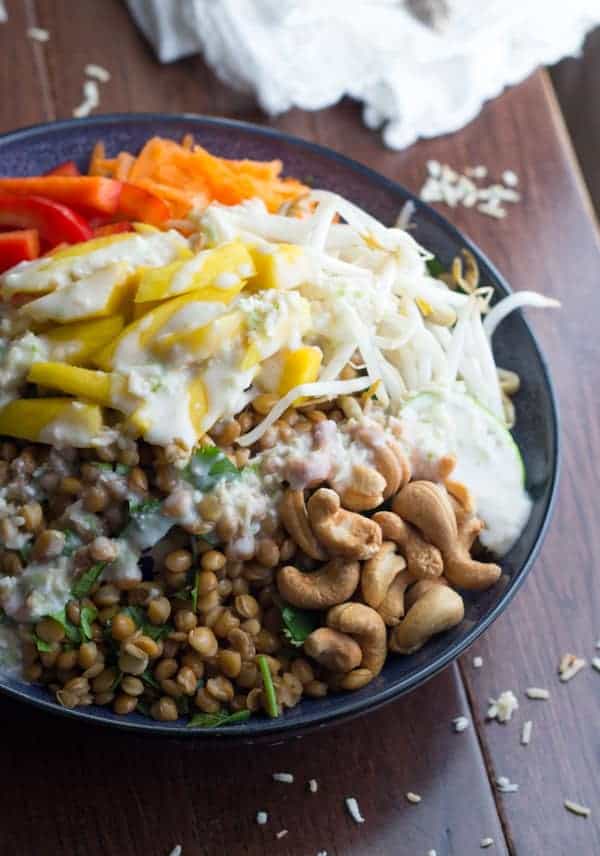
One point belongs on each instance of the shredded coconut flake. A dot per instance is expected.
(176, 851)
(577, 808)
(486, 842)
(3, 13)
(91, 99)
(569, 666)
(477, 662)
(354, 810)
(505, 786)
(413, 798)
(526, 733)
(283, 777)
(460, 723)
(38, 34)
(322, 853)
(596, 663)
(447, 185)
(537, 693)
(97, 71)
(281, 834)
(261, 817)
(502, 708)
(313, 786)
(510, 178)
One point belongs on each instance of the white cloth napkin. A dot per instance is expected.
(414, 80)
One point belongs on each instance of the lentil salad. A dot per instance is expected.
(190, 532)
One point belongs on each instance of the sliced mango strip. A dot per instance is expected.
(224, 268)
(299, 366)
(101, 387)
(202, 342)
(136, 336)
(279, 266)
(98, 295)
(81, 260)
(74, 343)
(60, 421)
(198, 404)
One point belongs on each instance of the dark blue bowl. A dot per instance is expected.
(37, 149)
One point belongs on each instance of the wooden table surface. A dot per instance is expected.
(71, 789)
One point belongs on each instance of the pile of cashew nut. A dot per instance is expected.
(387, 582)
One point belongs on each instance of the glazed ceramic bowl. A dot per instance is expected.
(37, 149)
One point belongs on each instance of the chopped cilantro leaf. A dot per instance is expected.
(142, 708)
(88, 615)
(117, 681)
(138, 508)
(25, 552)
(152, 630)
(435, 267)
(298, 624)
(149, 679)
(72, 632)
(84, 584)
(267, 679)
(218, 720)
(122, 469)
(208, 466)
(42, 646)
(102, 465)
(194, 593)
(72, 542)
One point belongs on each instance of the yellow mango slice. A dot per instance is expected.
(96, 296)
(202, 342)
(74, 343)
(225, 267)
(51, 420)
(198, 404)
(279, 266)
(82, 260)
(299, 366)
(100, 387)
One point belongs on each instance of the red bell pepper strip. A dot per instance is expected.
(55, 223)
(93, 193)
(67, 168)
(136, 203)
(19, 246)
(112, 229)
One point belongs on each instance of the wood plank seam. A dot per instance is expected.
(40, 63)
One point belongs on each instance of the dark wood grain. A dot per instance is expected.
(83, 791)
(576, 83)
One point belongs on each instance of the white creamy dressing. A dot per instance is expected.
(488, 460)
(16, 358)
(85, 298)
(11, 658)
(41, 589)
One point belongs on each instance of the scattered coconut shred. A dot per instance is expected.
(444, 184)
(413, 798)
(486, 842)
(176, 851)
(537, 693)
(354, 810)
(261, 817)
(526, 733)
(97, 72)
(460, 723)
(313, 786)
(596, 663)
(38, 34)
(477, 662)
(569, 666)
(577, 808)
(502, 708)
(3, 13)
(91, 99)
(505, 786)
(283, 777)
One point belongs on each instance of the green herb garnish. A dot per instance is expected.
(84, 584)
(25, 552)
(122, 469)
(152, 630)
(208, 466)
(298, 624)
(183, 705)
(218, 720)
(42, 646)
(72, 542)
(143, 708)
(149, 679)
(139, 508)
(267, 679)
(72, 632)
(117, 681)
(435, 267)
(102, 465)
(194, 593)
(88, 615)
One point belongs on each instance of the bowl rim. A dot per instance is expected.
(349, 706)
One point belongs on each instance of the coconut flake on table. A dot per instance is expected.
(97, 72)
(452, 188)
(460, 723)
(526, 733)
(502, 708)
(505, 786)
(38, 34)
(354, 810)
(569, 666)
(91, 99)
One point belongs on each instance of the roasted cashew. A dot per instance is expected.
(379, 572)
(333, 583)
(463, 496)
(423, 559)
(437, 610)
(341, 532)
(419, 588)
(367, 627)
(364, 489)
(295, 519)
(393, 605)
(388, 458)
(337, 651)
(428, 507)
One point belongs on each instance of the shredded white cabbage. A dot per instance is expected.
(515, 301)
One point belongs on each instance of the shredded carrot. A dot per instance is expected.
(187, 175)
